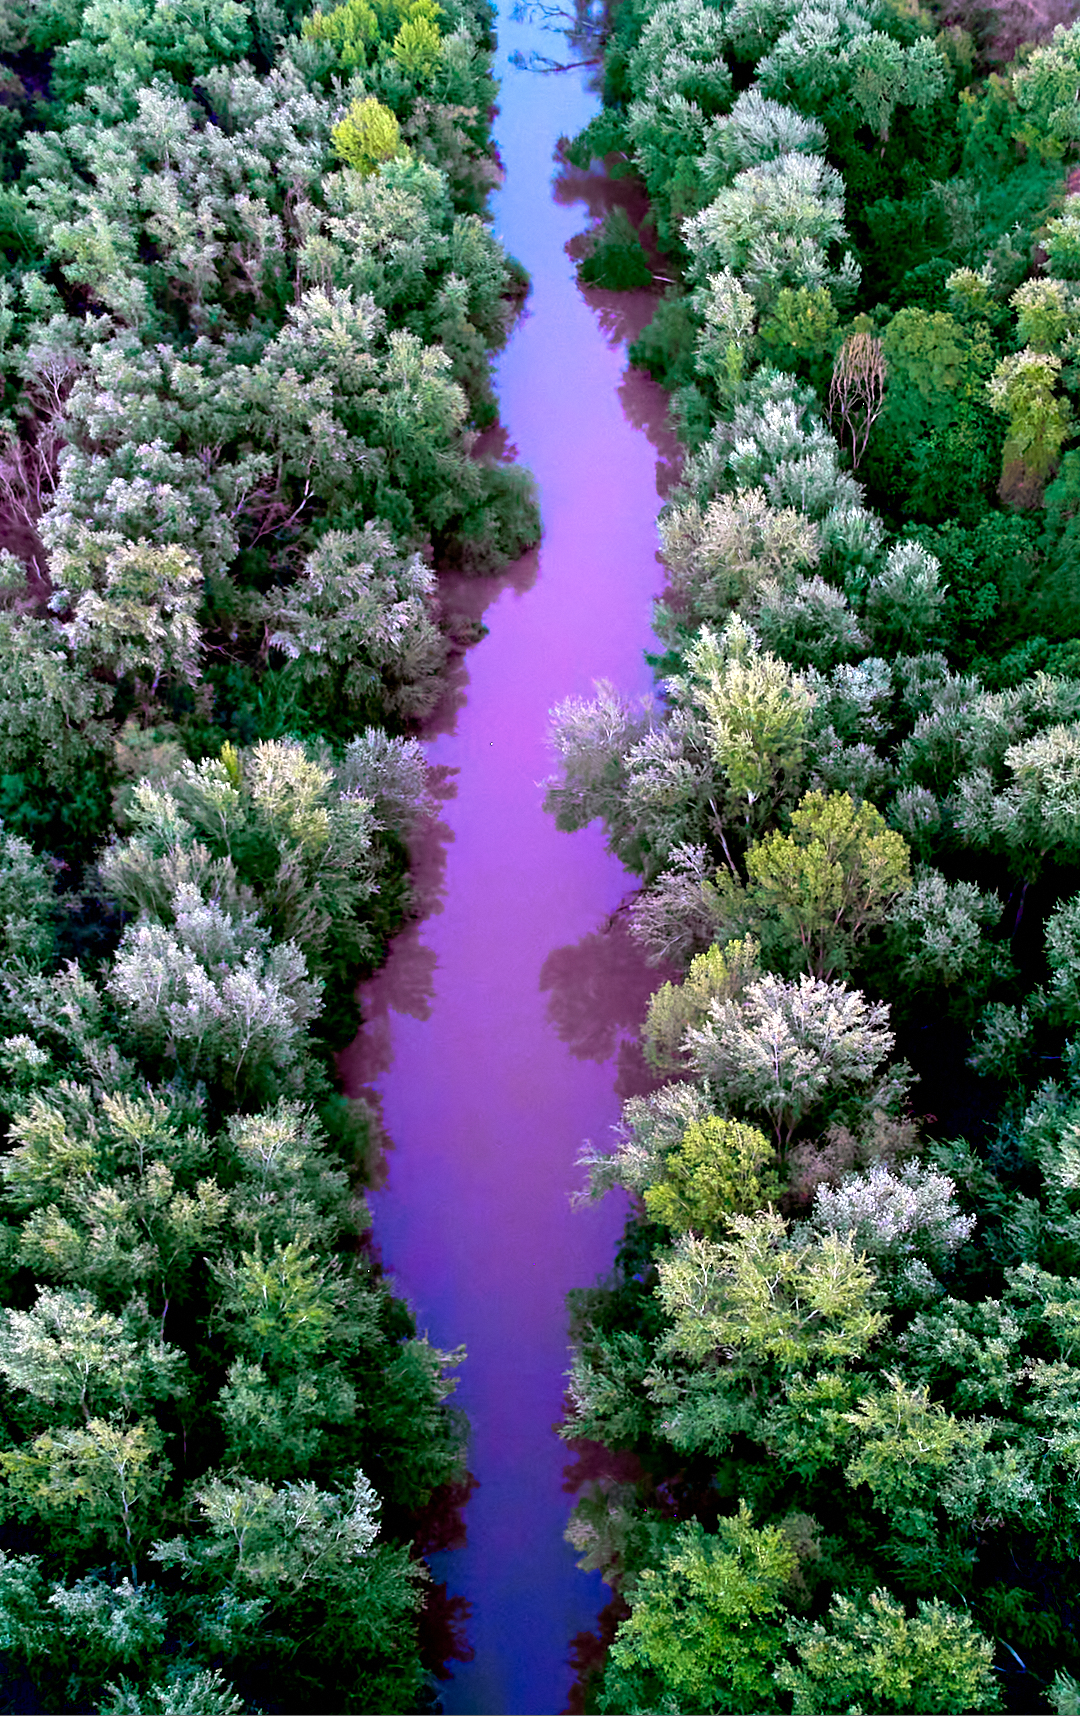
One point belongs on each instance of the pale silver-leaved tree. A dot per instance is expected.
(783, 1047)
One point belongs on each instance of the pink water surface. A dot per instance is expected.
(501, 1032)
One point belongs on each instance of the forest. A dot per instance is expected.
(835, 1363)
(249, 297)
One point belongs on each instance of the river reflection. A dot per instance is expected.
(598, 992)
(502, 1031)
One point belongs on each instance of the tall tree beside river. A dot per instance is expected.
(248, 298)
(833, 1357)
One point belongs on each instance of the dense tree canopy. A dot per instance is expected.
(248, 300)
(838, 1336)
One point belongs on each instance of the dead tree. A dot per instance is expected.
(857, 391)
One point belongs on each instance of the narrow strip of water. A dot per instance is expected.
(501, 1032)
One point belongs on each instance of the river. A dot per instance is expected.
(502, 1031)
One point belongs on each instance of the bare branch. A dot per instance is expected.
(857, 391)
(545, 65)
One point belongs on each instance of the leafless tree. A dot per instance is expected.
(857, 391)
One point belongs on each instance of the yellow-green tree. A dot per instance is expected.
(719, 974)
(368, 134)
(829, 881)
(349, 29)
(719, 1168)
(1022, 389)
(704, 1628)
(417, 47)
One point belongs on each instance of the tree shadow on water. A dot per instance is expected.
(645, 405)
(598, 191)
(588, 1653)
(599, 1468)
(463, 601)
(443, 1620)
(405, 983)
(599, 990)
(623, 316)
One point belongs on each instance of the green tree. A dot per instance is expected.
(914, 1456)
(279, 1308)
(1034, 814)
(933, 363)
(725, 344)
(1063, 958)
(887, 75)
(756, 714)
(272, 825)
(212, 992)
(704, 1628)
(307, 1566)
(719, 974)
(67, 1352)
(54, 732)
(350, 29)
(830, 881)
(756, 129)
(872, 1653)
(904, 601)
(97, 1484)
(183, 1692)
(938, 937)
(417, 47)
(777, 225)
(806, 622)
(144, 618)
(718, 1168)
(1044, 313)
(1045, 92)
(895, 1217)
(360, 624)
(717, 555)
(184, 38)
(1022, 389)
(771, 1296)
(27, 903)
(114, 1194)
(71, 1635)
(368, 134)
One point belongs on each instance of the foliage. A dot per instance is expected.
(783, 1048)
(935, 1660)
(720, 974)
(702, 1629)
(830, 881)
(758, 1292)
(359, 623)
(718, 1168)
(1022, 389)
(368, 135)
(248, 301)
(777, 225)
(895, 1217)
(1044, 94)
(616, 259)
(937, 938)
(866, 1342)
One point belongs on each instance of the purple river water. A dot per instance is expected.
(502, 1031)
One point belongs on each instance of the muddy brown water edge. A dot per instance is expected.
(502, 1032)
